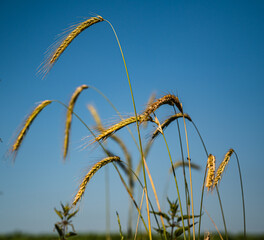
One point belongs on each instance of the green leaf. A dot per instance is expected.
(59, 213)
(72, 214)
(162, 232)
(59, 230)
(161, 214)
(62, 206)
(66, 209)
(186, 217)
(70, 234)
(179, 231)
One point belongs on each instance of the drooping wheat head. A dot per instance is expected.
(222, 167)
(210, 172)
(150, 101)
(184, 164)
(47, 65)
(96, 117)
(69, 117)
(27, 124)
(168, 121)
(167, 99)
(123, 123)
(116, 139)
(90, 174)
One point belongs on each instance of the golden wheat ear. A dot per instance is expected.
(211, 172)
(27, 124)
(72, 102)
(54, 56)
(90, 174)
(222, 167)
(167, 99)
(123, 123)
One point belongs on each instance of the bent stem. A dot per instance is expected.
(242, 193)
(184, 176)
(135, 111)
(175, 179)
(222, 211)
(190, 173)
(201, 204)
(156, 197)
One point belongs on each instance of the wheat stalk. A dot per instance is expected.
(90, 174)
(27, 124)
(69, 117)
(211, 172)
(222, 167)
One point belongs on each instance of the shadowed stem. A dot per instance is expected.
(190, 173)
(222, 211)
(242, 192)
(135, 111)
(201, 204)
(175, 179)
(107, 203)
(184, 176)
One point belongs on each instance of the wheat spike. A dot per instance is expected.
(96, 117)
(107, 132)
(168, 121)
(66, 42)
(90, 174)
(150, 101)
(27, 124)
(47, 65)
(167, 99)
(69, 117)
(222, 167)
(211, 172)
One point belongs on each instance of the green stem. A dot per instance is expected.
(107, 204)
(190, 173)
(222, 211)
(184, 176)
(242, 192)
(201, 204)
(135, 111)
(176, 183)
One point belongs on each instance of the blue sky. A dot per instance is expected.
(209, 53)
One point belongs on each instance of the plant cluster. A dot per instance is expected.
(177, 223)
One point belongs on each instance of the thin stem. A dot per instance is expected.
(222, 211)
(190, 173)
(201, 204)
(107, 203)
(135, 111)
(214, 224)
(176, 183)
(242, 192)
(184, 176)
(156, 197)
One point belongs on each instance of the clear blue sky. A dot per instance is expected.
(209, 53)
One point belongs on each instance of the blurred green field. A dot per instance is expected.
(19, 236)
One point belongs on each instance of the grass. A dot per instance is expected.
(150, 115)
